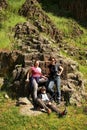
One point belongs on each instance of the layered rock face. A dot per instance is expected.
(33, 11)
(32, 44)
(72, 85)
(3, 4)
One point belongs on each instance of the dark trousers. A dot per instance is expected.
(47, 104)
(34, 83)
(57, 82)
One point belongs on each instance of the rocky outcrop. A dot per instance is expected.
(8, 60)
(32, 10)
(3, 4)
(33, 44)
(72, 85)
(30, 40)
(76, 9)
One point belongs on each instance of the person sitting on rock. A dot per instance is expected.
(44, 101)
(35, 76)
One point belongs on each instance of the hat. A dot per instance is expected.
(43, 88)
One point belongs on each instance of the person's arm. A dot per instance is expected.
(48, 70)
(61, 70)
(43, 76)
(49, 96)
(28, 74)
(39, 96)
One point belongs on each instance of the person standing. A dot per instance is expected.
(55, 71)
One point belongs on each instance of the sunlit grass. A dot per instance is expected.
(4, 40)
(13, 19)
(83, 69)
(61, 23)
(82, 41)
(10, 19)
(14, 5)
(6, 29)
(10, 118)
(66, 25)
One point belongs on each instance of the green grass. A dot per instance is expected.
(4, 40)
(66, 25)
(74, 35)
(82, 41)
(9, 20)
(9, 113)
(14, 5)
(83, 69)
(61, 23)
(11, 119)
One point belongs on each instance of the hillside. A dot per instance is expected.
(39, 29)
(73, 34)
(35, 33)
(69, 8)
(70, 18)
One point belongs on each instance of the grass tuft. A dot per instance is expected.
(9, 18)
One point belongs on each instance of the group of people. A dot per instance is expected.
(35, 77)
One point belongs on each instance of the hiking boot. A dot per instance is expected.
(61, 114)
(48, 111)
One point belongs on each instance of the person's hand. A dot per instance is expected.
(45, 77)
(27, 80)
(49, 103)
(58, 74)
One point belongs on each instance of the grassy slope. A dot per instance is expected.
(10, 18)
(9, 115)
(66, 24)
(11, 119)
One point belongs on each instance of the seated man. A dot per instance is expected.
(43, 101)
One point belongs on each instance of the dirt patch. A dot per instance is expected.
(26, 107)
(28, 110)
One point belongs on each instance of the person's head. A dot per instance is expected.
(43, 89)
(53, 60)
(36, 63)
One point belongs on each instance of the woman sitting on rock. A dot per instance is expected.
(35, 76)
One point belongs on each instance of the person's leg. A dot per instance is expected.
(57, 82)
(50, 86)
(54, 108)
(35, 88)
(43, 82)
(43, 105)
